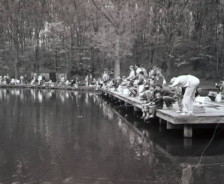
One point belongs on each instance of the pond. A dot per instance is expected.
(49, 136)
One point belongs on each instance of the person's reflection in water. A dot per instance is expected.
(48, 94)
(104, 106)
(67, 95)
(33, 93)
(40, 96)
(22, 95)
(132, 138)
(146, 146)
(109, 113)
(75, 95)
(122, 126)
(1, 94)
(119, 123)
(186, 174)
(17, 92)
(5, 93)
(87, 98)
(12, 92)
(95, 99)
(62, 96)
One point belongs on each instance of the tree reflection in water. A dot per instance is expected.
(56, 136)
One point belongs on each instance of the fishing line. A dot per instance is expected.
(203, 147)
(213, 136)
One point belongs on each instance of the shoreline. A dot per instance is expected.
(203, 91)
(24, 86)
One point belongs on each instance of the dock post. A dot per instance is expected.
(136, 109)
(187, 142)
(188, 131)
(160, 122)
(126, 105)
(161, 125)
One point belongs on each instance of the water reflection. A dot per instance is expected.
(183, 154)
(66, 136)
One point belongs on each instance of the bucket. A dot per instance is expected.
(126, 91)
(218, 98)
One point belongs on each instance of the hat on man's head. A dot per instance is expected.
(105, 69)
(131, 66)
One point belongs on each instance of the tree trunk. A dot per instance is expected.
(169, 64)
(36, 69)
(16, 67)
(117, 57)
(217, 59)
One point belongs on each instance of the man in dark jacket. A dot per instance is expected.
(168, 95)
(156, 103)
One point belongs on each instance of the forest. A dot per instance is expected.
(86, 36)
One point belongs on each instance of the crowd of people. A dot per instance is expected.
(151, 88)
(39, 80)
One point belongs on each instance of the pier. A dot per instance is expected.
(206, 115)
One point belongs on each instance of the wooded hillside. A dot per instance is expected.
(81, 36)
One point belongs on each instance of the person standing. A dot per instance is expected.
(191, 84)
(87, 80)
(179, 97)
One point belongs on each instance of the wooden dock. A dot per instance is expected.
(212, 113)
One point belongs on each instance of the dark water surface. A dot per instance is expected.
(68, 137)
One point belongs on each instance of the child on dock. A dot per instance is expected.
(149, 109)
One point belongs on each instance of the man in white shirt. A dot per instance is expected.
(191, 83)
(138, 69)
(132, 73)
(105, 76)
(144, 71)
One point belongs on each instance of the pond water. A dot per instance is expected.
(52, 137)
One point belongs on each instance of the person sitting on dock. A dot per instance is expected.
(147, 98)
(34, 80)
(150, 108)
(168, 95)
(132, 74)
(48, 83)
(159, 78)
(152, 74)
(13, 81)
(191, 83)
(138, 70)
(100, 82)
(117, 82)
(137, 83)
(144, 71)
(123, 85)
(105, 77)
